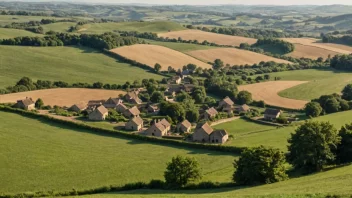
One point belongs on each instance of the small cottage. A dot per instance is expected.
(210, 113)
(175, 80)
(153, 109)
(112, 103)
(78, 107)
(26, 104)
(202, 133)
(166, 124)
(226, 105)
(272, 114)
(157, 129)
(134, 124)
(95, 103)
(99, 114)
(243, 108)
(132, 112)
(184, 127)
(218, 136)
(132, 97)
(121, 108)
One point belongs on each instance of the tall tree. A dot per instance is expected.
(347, 92)
(344, 149)
(313, 109)
(244, 97)
(157, 67)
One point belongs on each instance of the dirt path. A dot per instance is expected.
(224, 120)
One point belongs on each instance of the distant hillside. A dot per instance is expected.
(333, 19)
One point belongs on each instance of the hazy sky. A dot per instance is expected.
(209, 2)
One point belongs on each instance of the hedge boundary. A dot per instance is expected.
(166, 142)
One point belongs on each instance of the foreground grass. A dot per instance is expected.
(70, 64)
(157, 26)
(336, 181)
(46, 156)
(321, 82)
(6, 33)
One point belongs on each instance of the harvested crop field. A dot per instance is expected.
(201, 36)
(233, 56)
(62, 96)
(311, 52)
(152, 54)
(268, 92)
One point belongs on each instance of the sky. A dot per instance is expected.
(212, 2)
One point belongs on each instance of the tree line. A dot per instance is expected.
(329, 38)
(342, 62)
(104, 41)
(283, 46)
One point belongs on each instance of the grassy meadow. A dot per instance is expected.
(69, 64)
(181, 47)
(321, 82)
(337, 181)
(40, 155)
(157, 26)
(6, 33)
(58, 27)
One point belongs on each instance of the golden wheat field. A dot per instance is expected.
(233, 56)
(152, 54)
(62, 96)
(268, 92)
(201, 36)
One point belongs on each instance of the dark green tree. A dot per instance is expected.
(181, 170)
(175, 110)
(157, 97)
(313, 109)
(192, 115)
(347, 92)
(218, 64)
(39, 103)
(344, 149)
(157, 67)
(260, 165)
(311, 146)
(244, 97)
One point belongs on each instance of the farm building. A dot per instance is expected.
(134, 124)
(153, 109)
(121, 108)
(226, 105)
(27, 104)
(202, 133)
(175, 80)
(95, 103)
(99, 114)
(184, 127)
(112, 103)
(242, 108)
(132, 97)
(132, 112)
(166, 124)
(272, 114)
(159, 129)
(78, 107)
(218, 136)
(210, 113)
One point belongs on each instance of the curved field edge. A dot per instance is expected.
(51, 152)
(68, 64)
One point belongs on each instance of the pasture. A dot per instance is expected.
(62, 96)
(152, 54)
(337, 181)
(58, 27)
(201, 36)
(6, 33)
(181, 47)
(155, 26)
(69, 64)
(39, 155)
(268, 92)
(233, 56)
(321, 82)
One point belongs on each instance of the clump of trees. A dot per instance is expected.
(341, 62)
(281, 45)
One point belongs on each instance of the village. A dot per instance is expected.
(143, 118)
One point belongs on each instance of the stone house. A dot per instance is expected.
(26, 104)
(95, 103)
(112, 103)
(132, 112)
(166, 124)
(218, 136)
(78, 107)
(159, 129)
(134, 124)
(121, 108)
(242, 108)
(184, 127)
(175, 80)
(132, 97)
(210, 113)
(272, 114)
(226, 105)
(202, 133)
(153, 109)
(99, 114)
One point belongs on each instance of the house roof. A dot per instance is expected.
(228, 101)
(165, 123)
(122, 105)
(137, 120)
(101, 109)
(205, 127)
(155, 108)
(186, 124)
(26, 102)
(220, 132)
(212, 111)
(188, 87)
(114, 100)
(272, 111)
(160, 126)
(131, 95)
(134, 111)
(245, 107)
(95, 102)
(80, 106)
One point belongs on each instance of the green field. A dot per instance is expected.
(58, 27)
(37, 155)
(158, 26)
(69, 64)
(182, 47)
(336, 181)
(250, 134)
(6, 33)
(320, 82)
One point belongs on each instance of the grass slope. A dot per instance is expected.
(68, 64)
(337, 181)
(58, 27)
(181, 47)
(45, 156)
(157, 26)
(6, 33)
(321, 82)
